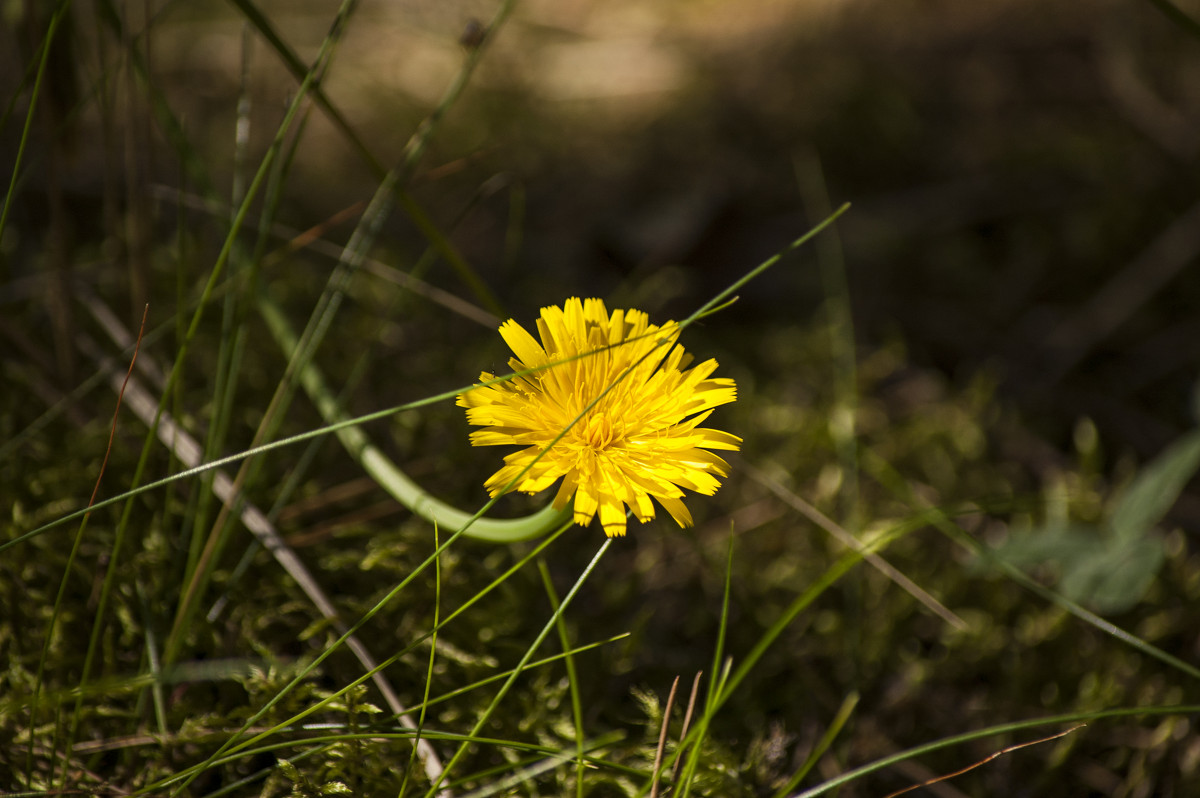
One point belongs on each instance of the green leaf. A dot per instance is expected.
(1113, 578)
(1052, 544)
(1155, 489)
(1102, 571)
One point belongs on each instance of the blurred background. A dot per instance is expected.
(1022, 173)
(1019, 262)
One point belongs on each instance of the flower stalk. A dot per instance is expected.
(389, 476)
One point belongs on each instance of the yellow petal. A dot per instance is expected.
(522, 344)
(617, 418)
(677, 511)
(612, 516)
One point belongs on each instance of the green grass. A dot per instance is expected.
(221, 590)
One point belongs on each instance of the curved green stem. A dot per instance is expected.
(387, 474)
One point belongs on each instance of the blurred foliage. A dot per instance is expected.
(1110, 568)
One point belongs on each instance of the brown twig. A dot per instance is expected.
(190, 453)
(985, 760)
(662, 738)
(112, 431)
(687, 722)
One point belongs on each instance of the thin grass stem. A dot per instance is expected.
(537, 642)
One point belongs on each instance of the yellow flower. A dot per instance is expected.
(642, 438)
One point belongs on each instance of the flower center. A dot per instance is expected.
(599, 432)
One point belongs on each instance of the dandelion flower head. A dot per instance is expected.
(639, 409)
